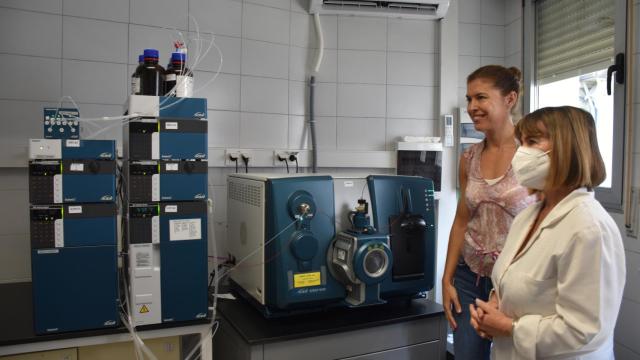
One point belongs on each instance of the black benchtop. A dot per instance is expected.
(16, 326)
(256, 329)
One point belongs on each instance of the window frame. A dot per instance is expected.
(610, 198)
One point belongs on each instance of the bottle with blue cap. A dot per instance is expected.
(151, 74)
(135, 77)
(178, 76)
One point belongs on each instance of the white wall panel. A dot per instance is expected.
(20, 38)
(87, 39)
(114, 10)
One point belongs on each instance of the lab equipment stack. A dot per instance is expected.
(72, 194)
(165, 209)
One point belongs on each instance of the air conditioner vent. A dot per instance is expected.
(414, 9)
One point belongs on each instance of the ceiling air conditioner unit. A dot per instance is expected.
(408, 9)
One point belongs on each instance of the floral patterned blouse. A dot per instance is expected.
(492, 207)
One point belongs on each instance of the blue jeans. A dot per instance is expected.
(466, 342)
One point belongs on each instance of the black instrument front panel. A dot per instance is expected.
(43, 226)
(141, 182)
(41, 181)
(140, 223)
(140, 139)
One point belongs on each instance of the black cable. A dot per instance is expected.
(234, 159)
(212, 276)
(294, 157)
(245, 159)
(280, 158)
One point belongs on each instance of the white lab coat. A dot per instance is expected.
(565, 287)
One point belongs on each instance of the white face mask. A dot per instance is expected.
(531, 167)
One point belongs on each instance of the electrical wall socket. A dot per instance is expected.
(257, 157)
(228, 154)
(303, 156)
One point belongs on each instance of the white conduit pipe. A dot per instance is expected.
(316, 20)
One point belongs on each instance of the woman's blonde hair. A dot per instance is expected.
(575, 155)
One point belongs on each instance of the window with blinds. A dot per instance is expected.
(573, 37)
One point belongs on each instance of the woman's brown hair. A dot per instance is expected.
(575, 155)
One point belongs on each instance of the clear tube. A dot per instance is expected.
(194, 66)
(196, 62)
(205, 84)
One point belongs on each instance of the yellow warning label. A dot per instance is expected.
(144, 309)
(306, 279)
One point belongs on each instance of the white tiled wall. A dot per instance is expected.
(499, 43)
(377, 81)
(513, 37)
(490, 32)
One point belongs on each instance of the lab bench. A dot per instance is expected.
(17, 334)
(407, 329)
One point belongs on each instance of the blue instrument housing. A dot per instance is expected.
(182, 108)
(306, 266)
(74, 288)
(301, 248)
(74, 275)
(72, 181)
(89, 149)
(162, 139)
(183, 262)
(149, 181)
(403, 207)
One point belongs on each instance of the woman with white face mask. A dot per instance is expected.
(560, 277)
(490, 197)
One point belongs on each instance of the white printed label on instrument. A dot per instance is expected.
(77, 167)
(73, 143)
(48, 251)
(155, 230)
(171, 208)
(75, 209)
(185, 229)
(155, 187)
(57, 188)
(348, 184)
(172, 167)
(171, 126)
(58, 234)
(143, 259)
